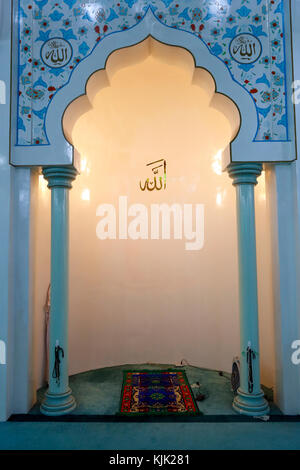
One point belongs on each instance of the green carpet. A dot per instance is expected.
(98, 391)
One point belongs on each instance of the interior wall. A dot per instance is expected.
(137, 301)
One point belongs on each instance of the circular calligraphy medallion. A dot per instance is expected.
(56, 52)
(245, 48)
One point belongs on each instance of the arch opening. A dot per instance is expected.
(152, 53)
(150, 102)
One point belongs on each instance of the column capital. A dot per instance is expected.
(244, 173)
(59, 176)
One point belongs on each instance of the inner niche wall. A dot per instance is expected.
(137, 301)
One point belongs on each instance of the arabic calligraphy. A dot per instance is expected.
(245, 48)
(56, 52)
(159, 170)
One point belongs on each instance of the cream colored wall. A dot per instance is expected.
(42, 279)
(136, 301)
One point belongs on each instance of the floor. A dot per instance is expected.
(99, 392)
(142, 436)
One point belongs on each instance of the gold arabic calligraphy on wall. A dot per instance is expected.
(159, 181)
(56, 52)
(245, 48)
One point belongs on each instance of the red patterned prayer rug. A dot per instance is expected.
(152, 392)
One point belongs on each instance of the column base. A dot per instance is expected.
(56, 404)
(250, 404)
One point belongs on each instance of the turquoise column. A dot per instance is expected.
(250, 398)
(58, 398)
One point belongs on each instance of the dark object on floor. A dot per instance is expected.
(269, 393)
(235, 375)
(200, 397)
(152, 392)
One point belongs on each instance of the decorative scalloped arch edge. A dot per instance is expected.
(136, 54)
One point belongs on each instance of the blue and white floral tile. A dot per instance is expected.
(83, 25)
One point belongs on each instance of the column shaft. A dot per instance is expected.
(59, 283)
(247, 281)
(58, 399)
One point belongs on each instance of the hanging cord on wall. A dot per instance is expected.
(250, 356)
(56, 368)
